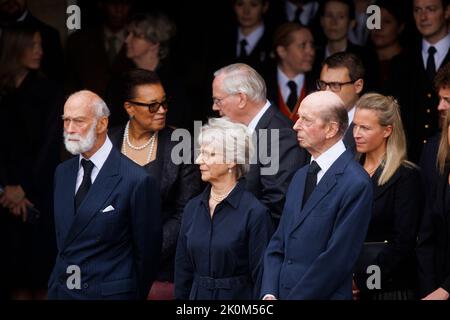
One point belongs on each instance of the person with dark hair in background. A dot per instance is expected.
(336, 18)
(30, 105)
(93, 69)
(386, 40)
(343, 73)
(16, 11)
(146, 140)
(412, 73)
(289, 79)
(433, 242)
(397, 200)
(428, 157)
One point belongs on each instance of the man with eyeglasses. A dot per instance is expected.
(107, 213)
(239, 93)
(343, 74)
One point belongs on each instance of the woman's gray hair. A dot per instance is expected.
(240, 77)
(232, 139)
(156, 28)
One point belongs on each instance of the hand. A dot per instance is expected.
(21, 209)
(355, 290)
(438, 294)
(11, 196)
(269, 297)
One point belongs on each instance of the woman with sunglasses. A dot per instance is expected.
(146, 140)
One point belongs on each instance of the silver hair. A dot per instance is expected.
(156, 28)
(232, 138)
(241, 78)
(94, 101)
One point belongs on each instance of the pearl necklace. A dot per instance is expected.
(126, 140)
(218, 197)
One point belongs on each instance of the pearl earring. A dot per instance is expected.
(229, 170)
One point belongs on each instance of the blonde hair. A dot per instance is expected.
(232, 138)
(388, 112)
(443, 157)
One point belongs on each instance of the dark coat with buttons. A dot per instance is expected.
(409, 83)
(116, 251)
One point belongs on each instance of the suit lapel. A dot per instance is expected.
(263, 123)
(64, 199)
(106, 181)
(324, 187)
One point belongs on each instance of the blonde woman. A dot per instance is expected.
(225, 230)
(434, 242)
(398, 199)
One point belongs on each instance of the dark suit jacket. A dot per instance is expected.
(349, 139)
(409, 83)
(428, 165)
(271, 188)
(117, 251)
(433, 244)
(313, 251)
(178, 183)
(397, 208)
(87, 64)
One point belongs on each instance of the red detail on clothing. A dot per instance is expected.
(293, 115)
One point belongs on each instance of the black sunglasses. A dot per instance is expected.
(152, 107)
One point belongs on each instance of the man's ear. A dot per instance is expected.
(102, 125)
(332, 130)
(243, 99)
(359, 85)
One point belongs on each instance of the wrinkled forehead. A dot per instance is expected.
(79, 107)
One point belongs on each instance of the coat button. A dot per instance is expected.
(426, 126)
(428, 110)
(85, 285)
(424, 141)
(429, 95)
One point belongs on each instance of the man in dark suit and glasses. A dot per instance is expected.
(239, 93)
(326, 215)
(107, 213)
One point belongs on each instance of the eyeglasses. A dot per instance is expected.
(152, 107)
(218, 101)
(334, 86)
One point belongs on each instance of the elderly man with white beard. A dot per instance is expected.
(107, 213)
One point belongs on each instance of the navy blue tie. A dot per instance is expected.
(311, 180)
(85, 184)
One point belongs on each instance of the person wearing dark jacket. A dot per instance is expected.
(146, 140)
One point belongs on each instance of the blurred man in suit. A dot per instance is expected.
(326, 215)
(343, 74)
(239, 93)
(107, 213)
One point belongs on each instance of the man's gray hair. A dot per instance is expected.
(230, 138)
(94, 101)
(240, 77)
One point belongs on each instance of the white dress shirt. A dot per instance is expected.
(441, 46)
(309, 11)
(283, 81)
(252, 125)
(326, 159)
(98, 159)
(252, 39)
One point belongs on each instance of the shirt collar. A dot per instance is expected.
(252, 38)
(23, 16)
(351, 115)
(326, 159)
(99, 158)
(441, 46)
(252, 125)
(309, 11)
(283, 79)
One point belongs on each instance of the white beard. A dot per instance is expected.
(83, 145)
